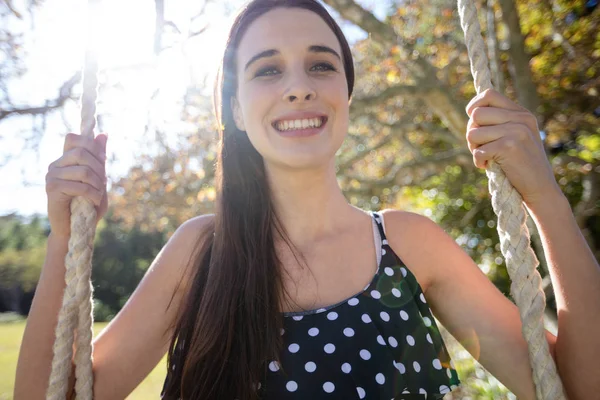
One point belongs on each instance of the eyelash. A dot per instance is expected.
(261, 72)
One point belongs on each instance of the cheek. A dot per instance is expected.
(255, 105)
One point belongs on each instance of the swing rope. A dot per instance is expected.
(521, 262)
(76, 316)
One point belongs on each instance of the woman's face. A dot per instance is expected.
(290, 73)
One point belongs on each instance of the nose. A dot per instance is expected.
(299, 90)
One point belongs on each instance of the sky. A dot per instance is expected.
(55, 44)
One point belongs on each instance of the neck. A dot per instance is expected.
(310, 203)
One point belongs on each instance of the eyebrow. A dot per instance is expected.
(273, 52)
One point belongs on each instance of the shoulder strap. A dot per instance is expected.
(378, 218)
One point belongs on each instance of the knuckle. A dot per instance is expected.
(510, 144)
(51, 184)
(522, 133)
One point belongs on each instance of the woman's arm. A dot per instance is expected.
(575, 278)
(35, 356)
(486, 323)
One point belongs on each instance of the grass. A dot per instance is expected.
(10, 342)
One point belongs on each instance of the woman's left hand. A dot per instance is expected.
(502, 131)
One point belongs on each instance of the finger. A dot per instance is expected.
(94, 147)
(73, 189)
(493, 151)
(487, 116)
(486, 134)
(80, 156)
(78, 173)
(492, 98)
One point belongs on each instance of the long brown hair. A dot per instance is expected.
(228, 325)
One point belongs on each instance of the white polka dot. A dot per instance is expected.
(366, 319)
(410, 340)
(405, 391)
(383, 252)
(416, 366)
(427, 321)
(422, 391)
(297, 318)
(274, 366)
(320, 310)
(346, 368)
(384, 241)
(396, 292)
(328, 387)
(258, 386)
(375, 294)
(404, 315)
(380, 378)
(353, 301)
(329, 348)
(313, 331)
(422, 298)
(380, 340)
(294, 347)
(332, 316)
(310, 366)
(364, 354)
(437, 364)
(291, 386)
(449, 373)
(429, 338)
(282, 331)
(400, 367)
(403, 270)
(392, 341)
(452, 387)
(444, 389)
(361, 392)
(349, 332)
(384, 316)
(388, 271)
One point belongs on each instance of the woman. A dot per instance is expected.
(289, 292)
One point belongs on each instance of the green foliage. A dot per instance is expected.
(22, 250)
(121, 258)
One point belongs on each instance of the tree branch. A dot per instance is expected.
(64, 94)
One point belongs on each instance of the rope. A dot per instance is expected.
(521, 262)
(75, 318)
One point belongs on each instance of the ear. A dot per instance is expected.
(237, 114)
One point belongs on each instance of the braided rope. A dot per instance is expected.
(75, 319)
(521, 262)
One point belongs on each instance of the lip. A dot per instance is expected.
(301, 115)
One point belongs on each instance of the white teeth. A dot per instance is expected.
(299, 124)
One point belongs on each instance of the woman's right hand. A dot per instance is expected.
(79, 172)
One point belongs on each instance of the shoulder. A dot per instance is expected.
(419, 242)
(195, 226)
(183, 245)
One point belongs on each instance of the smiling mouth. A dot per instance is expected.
(296, 125)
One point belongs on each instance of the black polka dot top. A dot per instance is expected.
(381, 343)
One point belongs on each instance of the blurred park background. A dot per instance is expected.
(406, 145)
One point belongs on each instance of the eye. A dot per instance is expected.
(266, 71)
(325, 66)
